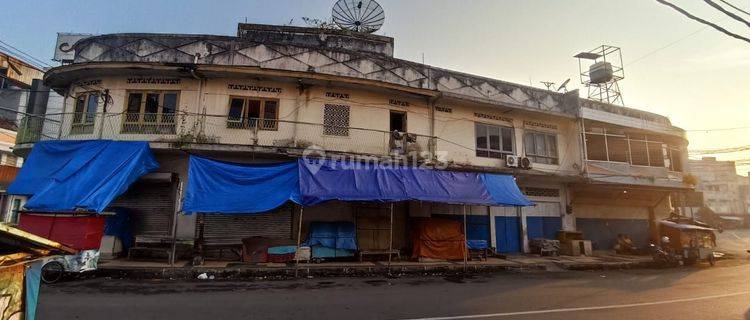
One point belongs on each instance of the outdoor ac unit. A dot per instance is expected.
(524, 163)
(511, 161)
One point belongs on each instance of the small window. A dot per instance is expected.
(596, 148)
(656, 154)
(675, 159)
(150, 112)
(251, 112)
(493, 141)
(541, 147)
(10, 160)
(639, 152)
(85, 113)
(336, 120)
(15, 208)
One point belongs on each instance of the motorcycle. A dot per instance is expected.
(663, 255)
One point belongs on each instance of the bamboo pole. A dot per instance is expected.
(299, 239)
(178, 205)
(390, 240)
(466, 243)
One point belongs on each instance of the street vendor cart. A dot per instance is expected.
(693, 242)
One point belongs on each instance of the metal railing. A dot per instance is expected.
(191, 128)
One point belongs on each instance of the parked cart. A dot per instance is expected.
(691, 242)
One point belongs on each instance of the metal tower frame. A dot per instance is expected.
(609, 91)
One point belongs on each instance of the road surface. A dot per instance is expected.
(722, 292)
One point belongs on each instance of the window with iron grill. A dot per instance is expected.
(336, 120)
(541, 192)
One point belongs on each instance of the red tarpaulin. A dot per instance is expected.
(78, 232)
(438, 239)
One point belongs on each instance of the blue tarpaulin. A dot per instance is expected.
(88, 175)
(324, 180)
(335, 235)
(232, 188)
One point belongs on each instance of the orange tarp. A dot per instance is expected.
(438, 239)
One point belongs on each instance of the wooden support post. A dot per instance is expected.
(466, 243)
(178, 208)
(390, 240)
(299, 239)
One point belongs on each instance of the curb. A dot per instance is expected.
(238, 273)
(251, 272)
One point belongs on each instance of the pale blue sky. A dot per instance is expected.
(700, 82)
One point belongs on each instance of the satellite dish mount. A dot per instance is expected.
(358, 15)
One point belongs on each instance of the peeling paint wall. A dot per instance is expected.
(269, 53)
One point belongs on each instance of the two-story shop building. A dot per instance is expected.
(275, 93)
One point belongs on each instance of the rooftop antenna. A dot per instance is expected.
(548, 84)
(601, 77)
(365, 16)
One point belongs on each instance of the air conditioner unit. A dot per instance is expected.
(524, 163)
(397, 135)
(511, 161)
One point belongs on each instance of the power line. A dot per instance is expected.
(730, 14)
(15, 55)
(720, 150)
(26, 54)
(735, 7)
(666, 46)
(717, 129)
(711, 24)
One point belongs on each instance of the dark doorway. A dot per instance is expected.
(398, 121)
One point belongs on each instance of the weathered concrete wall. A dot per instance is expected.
(273, 54)
(313, 37)
(301, 118)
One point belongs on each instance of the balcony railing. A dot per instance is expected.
(183, 128)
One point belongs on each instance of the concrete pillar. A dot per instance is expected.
(493, 232)
(522, 224)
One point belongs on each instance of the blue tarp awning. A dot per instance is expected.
(88, 175)
(220, 187)
(231, 188)
(325, 180)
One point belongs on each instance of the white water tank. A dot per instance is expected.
(601, 72)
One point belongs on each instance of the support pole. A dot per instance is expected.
(466, 243)
(178, 198)
(390, 240)
(299, 239)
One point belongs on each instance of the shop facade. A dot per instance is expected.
(263, 101)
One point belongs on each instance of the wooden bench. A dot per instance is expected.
(155, 245)
(221, 244)
(364, 253)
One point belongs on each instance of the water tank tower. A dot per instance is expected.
(600, 70)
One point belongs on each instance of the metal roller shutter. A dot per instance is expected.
(220, 228)
(151, 206)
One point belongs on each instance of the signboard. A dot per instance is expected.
(64, 47)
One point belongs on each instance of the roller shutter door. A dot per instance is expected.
(223, 229)
(151, 207)
(602, 225)
(543, 220)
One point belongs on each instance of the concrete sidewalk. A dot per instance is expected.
(238, 270)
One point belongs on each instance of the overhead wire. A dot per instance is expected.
(23, 53)
(703, 21)
(735, 7)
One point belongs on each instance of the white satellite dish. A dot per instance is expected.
(358, 15)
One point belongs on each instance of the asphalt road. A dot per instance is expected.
(721, 292)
